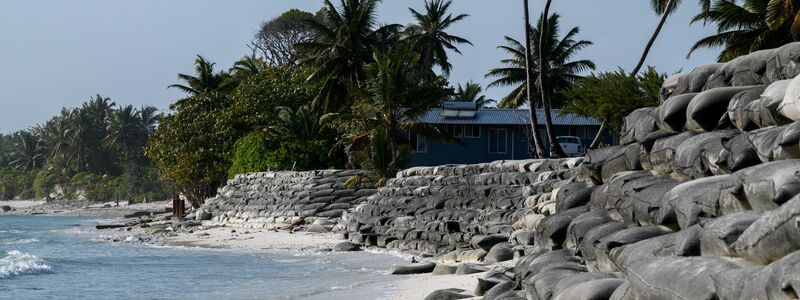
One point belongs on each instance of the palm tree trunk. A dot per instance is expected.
(652, 40)
(555, 147)
(537, 140)
(638, 67)
(598, 137)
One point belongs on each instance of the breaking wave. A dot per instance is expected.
(18, 263)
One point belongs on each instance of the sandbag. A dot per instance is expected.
(689, 202)
(637, 125)
(675, 277)
(664, 150)
(579, 226)
(602, 250)
(737, 108)
(779, 280)
(718, 234)
(671, 115)
(706, 109)
(625, 159)
(784, 63)
(750, 68)
(738, 153)
(770, 104)
(699, 156)
(774, 235)
(591, 290)
(694, 81)
(766, 186)
(552, 231)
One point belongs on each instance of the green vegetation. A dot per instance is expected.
(338, 89)
(93, 152)
(610, 96)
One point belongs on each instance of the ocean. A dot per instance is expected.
(65, 258)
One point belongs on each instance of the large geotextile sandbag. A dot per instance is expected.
(784, 63)
(580, 225)
(638, 124)
(541, 260)
(699, 155)
(779, 280)
(766, 186)
(694, 81)
(737, 108)
(573, 195)
(722, 76)
(738, 153)
(664, 150)
(750, 68)
(706, 109)
(689, 202)
(790, 104)
(771, 102)
(682, 243)
(675, 277)
(552, 231)
(718, 234)
(646, 201)
(602, 250)
(671, 115)
(591, 290)
(625, 159)
(774, 235)
(594, 235)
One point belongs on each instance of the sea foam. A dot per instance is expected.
(18, 263)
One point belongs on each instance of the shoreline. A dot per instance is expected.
(158, 229)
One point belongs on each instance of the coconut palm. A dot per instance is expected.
(206, 85)
(27, 153)
(471, 92)
(247, 66)
(342, 47)
(562, 70)
(741, 29)
(125, 132)
(148, 116)
(429, 38)
(783, 13)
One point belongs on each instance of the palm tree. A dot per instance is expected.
(538, 147)
(396, 94)
(471, 92)
(125, 133)
(741, 29)
(784, 13)
(303, 124)
(342, 47)
(27, 153)
(206, 85)
(148, 116)
(429, 38)
(247, 66)
(562, 71)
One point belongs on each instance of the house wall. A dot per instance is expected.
(476, 150)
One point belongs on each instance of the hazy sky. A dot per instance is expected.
(60, 53)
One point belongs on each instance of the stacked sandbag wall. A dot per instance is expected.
(312, 200)
(701, 201)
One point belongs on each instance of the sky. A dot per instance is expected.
(56, 54)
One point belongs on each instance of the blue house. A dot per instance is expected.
(490, 134)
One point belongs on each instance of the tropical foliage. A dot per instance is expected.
(743, 28)
(472, 92)
(610, 96)
(429, 38)
(562, 69)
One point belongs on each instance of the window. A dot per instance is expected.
(455, 131)
(472, 131)
(418, 143)
(573, 131)
(497, 141)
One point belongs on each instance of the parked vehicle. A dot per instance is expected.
(571, 145)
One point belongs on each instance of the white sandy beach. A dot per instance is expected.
(420, 286)
(254, 239)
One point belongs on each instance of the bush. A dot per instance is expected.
(16, 184)
(255, 153)
(45, 181)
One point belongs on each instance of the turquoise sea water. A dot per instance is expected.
(63, 258)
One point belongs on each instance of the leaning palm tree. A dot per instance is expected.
(783, 13)
(472, 92)
(741, 29)
(342, 47)
(429, 38)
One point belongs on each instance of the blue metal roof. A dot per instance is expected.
(508, 117)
